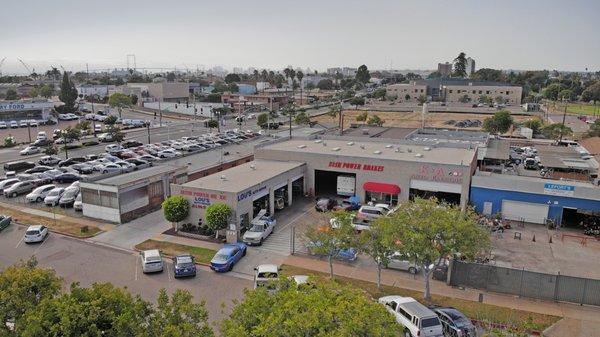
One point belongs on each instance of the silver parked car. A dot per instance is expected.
(54, 196)
(38, 194)
(19, 188)
(151, 261)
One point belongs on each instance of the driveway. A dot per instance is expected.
(128, 235)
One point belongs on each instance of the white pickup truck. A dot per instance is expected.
(262, 227)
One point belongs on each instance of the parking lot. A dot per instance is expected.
(78, 261)
(566, 254)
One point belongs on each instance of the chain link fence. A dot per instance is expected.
(524, 283)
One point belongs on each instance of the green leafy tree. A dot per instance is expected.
(11, 95)
(134, 99)
(218, 216)
(380, 93)
(84, 126)
(407, 97)
(302, 118)
(324, 309)
(9, 141)
(460, 65)
(334, 110)
(176, 208)
(556, 131)
(231, 78)
(375, 121)
(34, 93)
(179, 316)
(171, 77)
(363, 75)
(567, 95)
(68, 94)
(330, 240)
(464, 99)
(110, 120)
(534, 124)
(120, 101)
(484, 99)
(69, 134)
(262, 119)
(362, 117)
(212, 123)
(101, 310)
(22, 288)
(429, 232)
(50, 150)
(115, 133)
(594, 130)
(46, 91)
(325, 84)
(552, 91)
(487, 74)
(356, 101)
(499, 123)
(379, 242)
(422, 99)
(500, 100)
(591, 93)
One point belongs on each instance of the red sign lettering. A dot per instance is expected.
(356, 166)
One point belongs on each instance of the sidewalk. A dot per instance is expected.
(391, 278)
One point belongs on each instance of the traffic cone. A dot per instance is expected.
(533, 238)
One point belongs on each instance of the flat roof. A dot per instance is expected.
(126, 178)
(378, 150)
(564, 158)
(242, 177)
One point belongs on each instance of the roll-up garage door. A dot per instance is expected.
(525, 211)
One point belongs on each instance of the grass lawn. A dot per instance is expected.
(519, 319)
(202, 255)
(576, 108)
(61, 226)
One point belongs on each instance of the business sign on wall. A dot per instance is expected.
(17, 106)
(557, 189)
(203, 199)
(356, 166)
(432, 173)
(251, 193)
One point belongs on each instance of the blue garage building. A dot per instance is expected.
(533, 199)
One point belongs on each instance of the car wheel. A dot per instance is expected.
(38, 200)
(260, 243)
(407, 333)
(230, 267)
(14, 195)
(412, 270)
(244, 252)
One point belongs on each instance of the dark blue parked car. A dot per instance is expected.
(183, 265)
(227, 256)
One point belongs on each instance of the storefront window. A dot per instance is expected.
(381, 198)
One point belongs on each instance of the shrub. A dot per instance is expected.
(217, 216)
(175, 208)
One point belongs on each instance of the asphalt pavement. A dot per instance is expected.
(79, 261)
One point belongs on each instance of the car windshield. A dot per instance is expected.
(429, 322)
(53, 193)
(458, 318)
(32, 232)
(257, 228)
(70, 193)
(221, 257)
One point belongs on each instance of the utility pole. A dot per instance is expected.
(148, 129)
(160, 114)
(563, 121)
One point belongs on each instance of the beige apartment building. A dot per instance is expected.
(511, 94)
(406, 91)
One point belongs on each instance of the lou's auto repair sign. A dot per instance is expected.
(356, 166)
(203, 199)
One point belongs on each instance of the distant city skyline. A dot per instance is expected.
(530, 35)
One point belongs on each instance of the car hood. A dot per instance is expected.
(252, 235)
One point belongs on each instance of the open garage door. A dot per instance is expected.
(326, 183)
(524, 211)
(446, 192)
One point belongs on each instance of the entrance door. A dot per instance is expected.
(525, 211)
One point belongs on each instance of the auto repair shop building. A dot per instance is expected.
(383, 171)
(246, 188)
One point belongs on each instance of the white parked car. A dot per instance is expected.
(178, 146)
(151, 261)
(35, 234)
(30, 150)
(417, 319)
(24, 123)
(400, 262)
(3, 125)
(265, 273)
(53, 196)
(125, 166)
(78, 204)
(262, 227)
(113, 148)
(14, 124)
(109, 168)
(38, 194)
(168, 154)
(49, 160)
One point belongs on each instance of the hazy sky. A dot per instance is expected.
(524, 34)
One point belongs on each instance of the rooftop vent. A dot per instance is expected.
(377, 152)
(318, 141)
(418, 155)
(223, 177)
(389, 146)
(301, 146)
(426, 148)
(350, 143)
(252, 166)
(335, 149)
(397, 149)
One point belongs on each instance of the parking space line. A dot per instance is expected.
(41, 244)
(19, 243)
(136, 267)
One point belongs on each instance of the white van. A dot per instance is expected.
(417, 319)
(346, 185)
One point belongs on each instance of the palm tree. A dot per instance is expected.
(300, 76)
